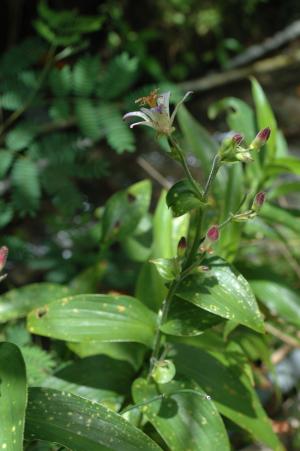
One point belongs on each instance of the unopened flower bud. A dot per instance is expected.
(237, 139)
(261, 138)
(181, 248)
(213, 233)
(3, 256)
(258, 201)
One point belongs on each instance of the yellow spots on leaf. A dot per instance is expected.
(121, 308)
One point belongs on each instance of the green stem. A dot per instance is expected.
(186, 168)
(162, 316)
(213, 172)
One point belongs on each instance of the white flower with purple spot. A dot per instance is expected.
(158, 116)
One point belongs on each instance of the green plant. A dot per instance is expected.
(172, 365)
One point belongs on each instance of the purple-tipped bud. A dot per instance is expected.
(258, 201)
(264, 134)
(213, 233)
(260, 198)
(237, 139)
(181, 248)
(261, 138)
(3, 256)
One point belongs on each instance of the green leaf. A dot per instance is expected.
(283, 190)
(185, 319)
(279, 298)
(85, 74)
(224, 292)
(166, 267)
(6, 158)
(83, 378)
(234, 398)
(61, 81)
(87, 117)
(18, 302)
(113, 85)
(240, 117)
(184, 416)
(132, 353)
(26, 185)
(118, 134)
(277, 215)
(89, 279)
(181, 198)
(199, 142)
(94, 317)
(124, 210)
(285, 164)
(21, 136)
(13, 397)
(265, 117)
(80, 424)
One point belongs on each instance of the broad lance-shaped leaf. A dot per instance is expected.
(124, 210)
(18, 302)
(233, 397)
(79, 424)
(280, 299)
(94, 317)
(224, 292)
(13, 397)
(186, 319)
(184, 416)
(98, 378)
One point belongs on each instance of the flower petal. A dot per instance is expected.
(136, 113)
(148, 113)
(179, 104)
(164, 99)
(149, 124)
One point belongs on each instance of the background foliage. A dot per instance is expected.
(78, 218)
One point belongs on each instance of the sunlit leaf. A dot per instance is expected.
(80, 424)
(13, 397)
(224, 292)
(184, 416)
(94, 317)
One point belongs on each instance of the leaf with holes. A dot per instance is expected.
(13, 397)
(124, 210)
(224, 292)
(18, 302)
(80, 424)
(94, 317)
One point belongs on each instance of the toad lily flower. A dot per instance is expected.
(158, 115)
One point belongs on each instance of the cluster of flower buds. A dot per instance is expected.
(232, 150)
(3, 258)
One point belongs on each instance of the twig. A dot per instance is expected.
(264, 66)
(282, 336)
(280, 354)
(153, 173)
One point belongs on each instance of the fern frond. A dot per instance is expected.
(60, 81)
(21, 136)
(120, 75)
(26, 185)
(117, 133)
(6, 158)
(39, 364)
(85, 74)
(88, 120)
